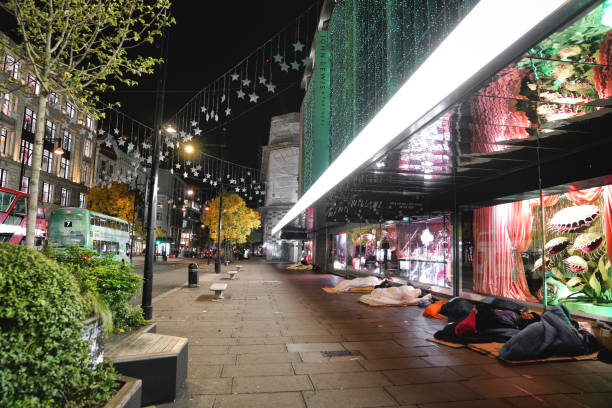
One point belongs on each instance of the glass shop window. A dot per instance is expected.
(29, 120)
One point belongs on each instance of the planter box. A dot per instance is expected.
(128, 396)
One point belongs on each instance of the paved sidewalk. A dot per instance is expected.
(261, 347)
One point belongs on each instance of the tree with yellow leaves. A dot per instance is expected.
(116, 200)
(237, 220)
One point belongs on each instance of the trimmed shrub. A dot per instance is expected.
(43, 361)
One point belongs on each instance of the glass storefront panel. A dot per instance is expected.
(561, 240)
(338, 251)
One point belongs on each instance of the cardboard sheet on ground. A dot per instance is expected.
(394, 296)
(363, 289)
(300, 266)
(355, 285)
(492, 350)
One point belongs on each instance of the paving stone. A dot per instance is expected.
(593, 400)
(354, 398)
(299, 347)
(319, 338)
(258, 348)
(245, 385)
(213, 359)
(194, 401)
(255, 370)
(438, 392)
(394, 363)
(537, 401)
(268, 358)
(195, 349)
(468, 404)
(317, 357)
(331, 367)
(197, 386)
(348, 380)
(276, 400)
(422, 375)
(263, 340)
(203, 371)
(588, 382)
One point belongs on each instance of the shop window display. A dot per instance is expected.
(424, 252)
(338, 251)
(562, 240)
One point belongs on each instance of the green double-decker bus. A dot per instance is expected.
(89, 229)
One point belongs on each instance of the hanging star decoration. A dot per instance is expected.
(278, 58)
(228, 111)
(185, 175)
(121, 142)
(146, 146)
(161, 157)
(182, 133)
(198, 167)
(207, 117)
(150, 160)
(271, 87)
(116, 131)
(216, 117)
(214, 183)
(241, 94)
(295, 65)
(298, 46)
(207, 175)
(195, 173)
(242, 179)
(197, 131)
(203, 108)
(171, 171)
(243, 190)
(102, 132)
(284, 67)
(237, 189)
(235, 76)
(250, 197)
(130, 146)
(177, 165)
(223, 98)
(253, 97)
(108, 141)
(188, 138)
(246, 82)
(194, 123)
(262, 80)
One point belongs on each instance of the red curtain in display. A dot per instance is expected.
(603, 74)
(549, 201)
(584, 196)
(497, 231)
(607, 212)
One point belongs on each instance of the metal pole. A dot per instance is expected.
(218, 259)
(133, 224)
(147, 287)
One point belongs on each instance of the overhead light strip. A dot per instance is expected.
(490, 28)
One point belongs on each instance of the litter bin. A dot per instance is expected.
(193, 275)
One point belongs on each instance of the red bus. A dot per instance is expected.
(13, 217)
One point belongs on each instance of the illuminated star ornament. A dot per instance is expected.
(253, 97)
(102, 132)
(235, 76)
(197, 131)
(194, 123)
(108, 142)
(116, 131)
(278, 58)
(241, 94)
(130, 146)
(185, 175)
(298, 46)
(295, 65)
(203, 109)
(246, 82)
(177, 165)
(228, 111)
(146, 146)
(262, 80)
(121, 142)
(271, 87)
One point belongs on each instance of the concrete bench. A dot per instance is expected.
(159, 360)
(232, 274)
(218, 288)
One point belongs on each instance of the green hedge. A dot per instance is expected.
(42, 357)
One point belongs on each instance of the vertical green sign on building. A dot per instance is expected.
(320, 117)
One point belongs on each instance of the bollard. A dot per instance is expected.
(193, 277)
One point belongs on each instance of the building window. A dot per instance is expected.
(65, 168)
(89, 122)
(25, 184)
(47, 161)
(65, 197)
(29, 120)
(47, 193)
(5, 103)
(70, 111)
(67, 141)
(3, 136)
(82, 201)
(87, 148)
(32, 84)
(53, 99)
(84, 174)
(11, 66)
(3, 177)
(50, 131)
(26, 152)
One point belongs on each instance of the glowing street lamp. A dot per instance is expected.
(189, 148)
(170, 129)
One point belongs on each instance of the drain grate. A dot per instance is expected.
(339, 353)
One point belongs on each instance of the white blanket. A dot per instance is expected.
(397, 295)
(347, 284)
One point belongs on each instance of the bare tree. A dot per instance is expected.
(74, 47)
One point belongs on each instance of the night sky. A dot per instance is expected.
(207, 40)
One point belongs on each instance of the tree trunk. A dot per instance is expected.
(35, 174)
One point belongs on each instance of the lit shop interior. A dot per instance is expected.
(505, 190)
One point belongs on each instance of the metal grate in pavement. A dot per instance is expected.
(340, 353)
